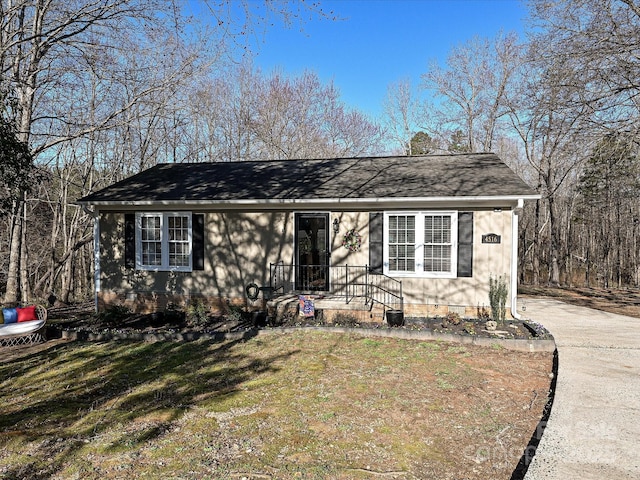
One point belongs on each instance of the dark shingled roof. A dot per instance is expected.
(429, 176)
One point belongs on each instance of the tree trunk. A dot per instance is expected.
(619, 245)
(25, 291)
(536, 247)
(11, 293)
(569, 247)
(67, 280)
(554, 241)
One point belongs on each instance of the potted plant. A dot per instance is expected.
(395, 318)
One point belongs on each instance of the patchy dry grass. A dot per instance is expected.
(310, 405)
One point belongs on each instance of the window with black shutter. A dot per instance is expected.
(164, 241)
(429, 244)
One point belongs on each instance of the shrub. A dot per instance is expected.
(197, 312)
(235, 313)
(173, 313)
(453, 318)
(114, 315)
(483, 314)
(470, 328)
(498, 298)
(345, 320)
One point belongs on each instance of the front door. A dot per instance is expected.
(312, 251)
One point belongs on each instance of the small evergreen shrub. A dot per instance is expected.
(498, 298)
(235, 313)
(197, 312)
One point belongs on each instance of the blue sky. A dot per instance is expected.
(383, 41)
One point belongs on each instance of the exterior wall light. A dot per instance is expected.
(336, 225)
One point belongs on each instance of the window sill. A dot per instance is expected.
(142, 268)
(446, 275)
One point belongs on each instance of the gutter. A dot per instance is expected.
(380, 202)
(514, 259)
(96, 252)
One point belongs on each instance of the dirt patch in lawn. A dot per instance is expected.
(313, 405)
(623, 301)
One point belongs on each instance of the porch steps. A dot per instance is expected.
(330, 306)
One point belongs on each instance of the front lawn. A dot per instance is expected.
(300, 405)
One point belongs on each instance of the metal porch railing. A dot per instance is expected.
(347, 281)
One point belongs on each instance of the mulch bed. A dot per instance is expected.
(82, 318)
(514, 329)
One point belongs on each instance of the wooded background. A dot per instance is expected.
(93, 92)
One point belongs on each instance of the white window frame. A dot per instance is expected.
(420, 243)
(164, 241)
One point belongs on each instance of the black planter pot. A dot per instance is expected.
(395, 318)
(157, 318)
(260, 319)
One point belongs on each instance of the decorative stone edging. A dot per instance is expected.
(156, 336)
(522, 345)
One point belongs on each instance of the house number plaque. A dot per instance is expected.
(491, 238)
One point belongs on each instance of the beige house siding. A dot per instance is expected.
(423, 295)
(240, 246)
(347, 221)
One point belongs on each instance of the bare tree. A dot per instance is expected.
(404, 114)
(597, 40)
(585, 67)
(473, 86)
(247, 115)
(39, 42)
(95, 89)
(554, 135)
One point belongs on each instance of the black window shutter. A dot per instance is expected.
(465, 244)
(130, 240)
(376, 220)
(197, 237)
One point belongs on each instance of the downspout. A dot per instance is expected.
(96, 253)
(514, 259)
